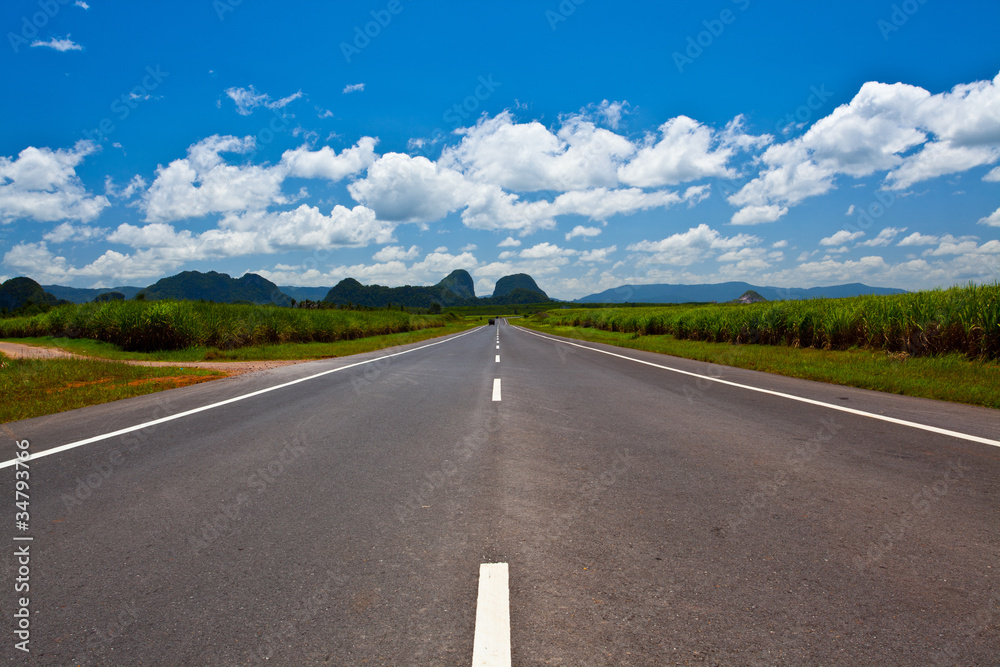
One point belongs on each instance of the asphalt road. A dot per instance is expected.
(647, 517)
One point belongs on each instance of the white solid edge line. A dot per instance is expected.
(831, 406)
(496, 389)
(235, 399)
(491, 646)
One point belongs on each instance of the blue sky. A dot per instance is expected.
(590, 144)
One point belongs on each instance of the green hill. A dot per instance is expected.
(457, 289)
(217, 287)
(18, 294)
(522, 281)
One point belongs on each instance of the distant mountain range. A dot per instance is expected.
(722, 292)
(456, 289)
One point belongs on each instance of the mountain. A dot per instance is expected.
(456, 289)
(750, 297)
(86, 295)
(723, 292)
(218, 287)
(459, 283)
(19, 292)
(519, 281)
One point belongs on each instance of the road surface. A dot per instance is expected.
(645, 516)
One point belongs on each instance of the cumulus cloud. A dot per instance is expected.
(354, 88)
(396, 252)
(584, 232)
(841, 237)
(528, 157)
(884, 238)
(401, 188)
(509, 242)
(67, 232)
(42, 184)
(686, 151)
(993, 219)
(695, 245)
(327, 163)
(203, 183)
(918, 239)
(899, 129)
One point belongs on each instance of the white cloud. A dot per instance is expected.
(880, 130)
(42, 184)
(248, 99)
(884, 238)
(326, 163)
(686, 151)
(528, 157)
(509, 242)
(850, 210)
(754, 215)
(547, 251)
(401, 188)
(396, 252)
(993, 219)
(780, 244)
(612, 112)
(67, 232)
(135, 185)
(202, 183)
(993, 175)
(581, 231)
(81, 4)
(307, 227)
(354, 88)
(597, 255)
(841, 237)
(695, 245)
(918, 239)
(62, 45)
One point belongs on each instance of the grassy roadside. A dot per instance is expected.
(283, 351)
(36, 387)
(949, 377)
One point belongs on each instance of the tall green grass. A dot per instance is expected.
(139, 326)
(960, 319)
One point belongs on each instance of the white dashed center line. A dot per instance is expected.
(496, 389)
(492, 643)
(498, 359)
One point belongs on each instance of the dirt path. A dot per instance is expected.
(21, 351)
